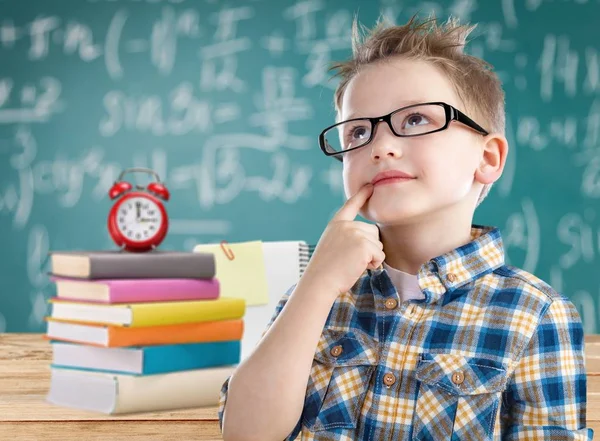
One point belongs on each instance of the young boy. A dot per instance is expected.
(414, 328)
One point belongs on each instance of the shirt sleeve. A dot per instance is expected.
(546, 396)
(225, 388)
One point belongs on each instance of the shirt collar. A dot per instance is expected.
(464, 264)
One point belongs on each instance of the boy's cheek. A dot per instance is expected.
(352, 186)
(350, 180)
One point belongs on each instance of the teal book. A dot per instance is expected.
(145, 360)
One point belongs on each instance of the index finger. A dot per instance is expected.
(352, 206)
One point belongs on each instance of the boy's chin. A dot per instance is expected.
(394, 215)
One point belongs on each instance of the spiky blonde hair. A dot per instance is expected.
(474, 81)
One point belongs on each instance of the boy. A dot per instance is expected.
(414, 328)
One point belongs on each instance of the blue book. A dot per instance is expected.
(145, 360)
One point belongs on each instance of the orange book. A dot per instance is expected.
(119, 336)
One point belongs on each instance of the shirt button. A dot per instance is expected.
(389, 379)
(451, 277)
(458, 377)
(336, 351)
(391, 303)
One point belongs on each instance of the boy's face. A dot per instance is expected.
(443, 163)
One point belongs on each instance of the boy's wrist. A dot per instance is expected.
(317, 290)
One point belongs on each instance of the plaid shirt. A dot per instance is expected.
(491, 353)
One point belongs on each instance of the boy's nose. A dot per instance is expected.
(384, 142)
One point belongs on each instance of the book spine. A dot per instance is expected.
(224, 330)
(159, 265)
(156, 290)
(172, 313)
(171, 391)
(174, 358)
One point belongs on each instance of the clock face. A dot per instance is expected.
(139, 219)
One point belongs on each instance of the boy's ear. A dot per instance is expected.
(494, 152)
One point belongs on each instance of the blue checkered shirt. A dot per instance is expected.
(491, 353)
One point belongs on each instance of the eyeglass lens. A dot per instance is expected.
(410, 121)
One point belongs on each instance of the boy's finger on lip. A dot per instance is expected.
(352, 206)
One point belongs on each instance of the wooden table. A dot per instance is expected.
(25, 415)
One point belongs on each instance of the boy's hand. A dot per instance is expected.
(346, 247)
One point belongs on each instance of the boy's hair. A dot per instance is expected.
(475, 83)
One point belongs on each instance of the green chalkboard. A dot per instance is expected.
(225, 100)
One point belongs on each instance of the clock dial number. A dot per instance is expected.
(139, 219)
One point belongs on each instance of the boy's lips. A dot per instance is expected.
(390, 176)
(392, 181)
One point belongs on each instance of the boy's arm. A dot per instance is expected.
(264, 398)
(225, 387)
(546, 396)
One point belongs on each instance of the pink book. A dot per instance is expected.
(135, 290)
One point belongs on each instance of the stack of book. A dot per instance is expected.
(134, 332)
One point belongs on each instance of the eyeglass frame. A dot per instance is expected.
(452, 114)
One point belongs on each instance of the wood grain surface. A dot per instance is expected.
(26, 416)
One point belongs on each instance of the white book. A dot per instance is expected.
(120, 393)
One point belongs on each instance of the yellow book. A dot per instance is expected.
(149, 314)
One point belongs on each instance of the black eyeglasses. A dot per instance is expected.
(413, 120)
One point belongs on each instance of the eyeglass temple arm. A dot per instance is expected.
(461, 117)
(324, 141)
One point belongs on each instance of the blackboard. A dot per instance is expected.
(225, 100)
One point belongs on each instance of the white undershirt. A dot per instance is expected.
(406, 284)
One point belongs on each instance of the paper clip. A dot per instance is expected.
(228, 251)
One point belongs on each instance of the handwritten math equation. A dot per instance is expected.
(225, 101)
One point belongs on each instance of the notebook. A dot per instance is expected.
(285, 263)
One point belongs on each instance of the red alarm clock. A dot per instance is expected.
(138, 220)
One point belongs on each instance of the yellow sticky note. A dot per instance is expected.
(244, 276)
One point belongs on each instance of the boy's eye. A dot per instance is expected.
(416, 119)
(356, 135)
(359, 133)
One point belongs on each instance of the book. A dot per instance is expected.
(146, 360)
(135, 290)
(120, 336)
(149, 314)
(119, 393)
(128, 265)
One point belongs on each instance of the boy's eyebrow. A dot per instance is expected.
(398, 106)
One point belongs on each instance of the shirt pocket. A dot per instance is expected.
(342, 368)
(457, 397)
